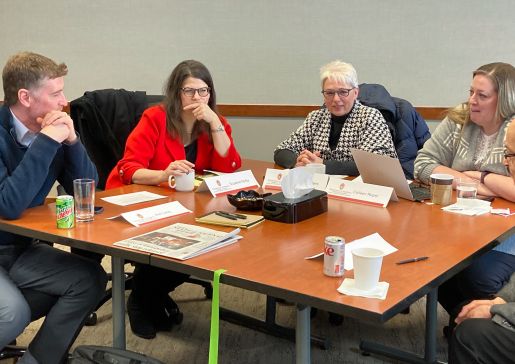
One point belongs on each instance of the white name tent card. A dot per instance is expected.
(149, 214)
(273, 178)
(320, 181)
(229, 183)
(359, 192)
(132, 198)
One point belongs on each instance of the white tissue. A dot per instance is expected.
(297, 183)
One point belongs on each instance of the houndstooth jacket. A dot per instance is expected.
(364, 129)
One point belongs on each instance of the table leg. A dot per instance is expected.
(269, 325)
(430, 339)
(303, 335)
(118, 283)
(431, 323)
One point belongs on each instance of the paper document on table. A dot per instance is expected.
(149, 214)
(470, 207)
(502, 212)
(132, 198)
(372, 241)
(181, 241)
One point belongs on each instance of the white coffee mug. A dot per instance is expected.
(184, 182)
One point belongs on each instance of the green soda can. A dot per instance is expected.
(65, 212)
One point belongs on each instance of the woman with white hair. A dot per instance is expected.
(327, 134)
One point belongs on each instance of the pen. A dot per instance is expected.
(412, 260)
(239, 216)
(224, 214)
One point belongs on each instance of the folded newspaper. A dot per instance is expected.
(181, 241)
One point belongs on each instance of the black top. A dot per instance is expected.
(336, 129)
(191, 151)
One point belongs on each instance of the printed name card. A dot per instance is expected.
(229, 183)
(149, 214)
(320, 181)
(359, 192)
(273, 178)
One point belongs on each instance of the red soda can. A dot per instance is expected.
(334, 256)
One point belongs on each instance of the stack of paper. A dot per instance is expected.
(470, 207)
(181, 241)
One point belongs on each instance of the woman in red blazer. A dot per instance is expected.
(182, 134)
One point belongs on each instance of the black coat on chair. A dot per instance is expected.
(104, 120)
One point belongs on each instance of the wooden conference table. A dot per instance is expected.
(270, 257)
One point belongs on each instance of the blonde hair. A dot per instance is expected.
(26, 70)
(502, 76)
(339, 71)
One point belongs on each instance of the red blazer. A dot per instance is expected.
(150, 146)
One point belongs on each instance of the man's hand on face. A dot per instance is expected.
(59, 126)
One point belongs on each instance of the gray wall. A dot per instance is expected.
(266, 51)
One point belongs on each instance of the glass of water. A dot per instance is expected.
(466, 189)
(84, 194)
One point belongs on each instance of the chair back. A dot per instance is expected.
(104, 119)
(408, 128)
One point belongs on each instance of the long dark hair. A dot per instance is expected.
(172, 101)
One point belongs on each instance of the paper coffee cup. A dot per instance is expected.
(441, 188)
(367, 267)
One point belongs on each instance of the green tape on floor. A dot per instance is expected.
(215, 318)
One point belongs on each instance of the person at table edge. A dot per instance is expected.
(182, 134)
(39, 146)
(168, 140)
(469, 143)
(486, 328)
(327, 134)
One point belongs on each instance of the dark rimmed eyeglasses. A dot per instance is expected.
(190, 92)
(341, 92)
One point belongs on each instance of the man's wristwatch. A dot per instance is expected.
(483, 176)
(218, 129)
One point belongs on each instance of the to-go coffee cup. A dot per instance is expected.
(441, 188)
(367, 267)
(183, 182)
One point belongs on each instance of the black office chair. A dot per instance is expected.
(104, 119)
(39, 303)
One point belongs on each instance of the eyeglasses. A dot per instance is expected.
(508, 154)
(342, 92)
(190, 92)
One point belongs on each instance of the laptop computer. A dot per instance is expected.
(387, 171)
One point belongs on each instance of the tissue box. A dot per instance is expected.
(292, 210)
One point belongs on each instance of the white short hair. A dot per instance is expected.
(339, 71)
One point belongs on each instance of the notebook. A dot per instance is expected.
(246, 223)
(387, 171)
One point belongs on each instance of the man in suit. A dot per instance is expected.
(486, 328)
(39, 146)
